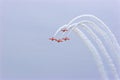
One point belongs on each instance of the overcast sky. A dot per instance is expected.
(28, 54)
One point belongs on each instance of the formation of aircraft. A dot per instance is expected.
(60, 40)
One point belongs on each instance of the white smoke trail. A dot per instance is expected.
(110, 43)
(106, 38)
(107, 35)
(100, 45)
(110, 35)
(103, 50)
(94, 26)
(94, 52)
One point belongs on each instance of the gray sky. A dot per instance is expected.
(28, 54)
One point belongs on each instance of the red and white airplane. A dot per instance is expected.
(64, 30)
(66, 38)
(59, 40)
(52, 39)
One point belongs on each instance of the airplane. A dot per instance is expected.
(52, 39)
(64, 30)
(66, 38)
(59, 40)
